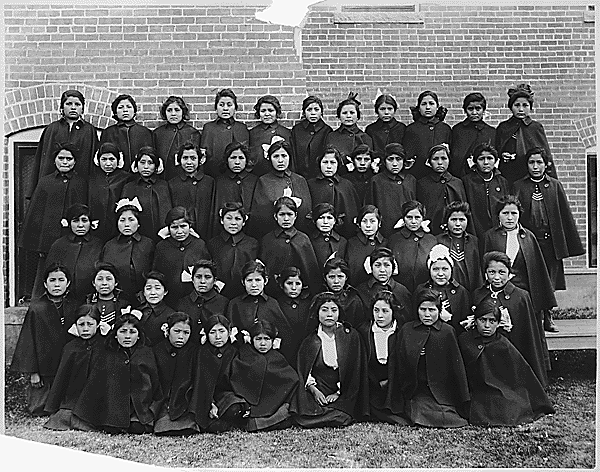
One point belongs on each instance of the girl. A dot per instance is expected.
(381, 338)
(192, 189)
(232, 248)
(130, 252)
(236, 184)
(152, 192)
(329, 187)
(105, 189)
(204, 300)
(280, 181)
(518, 134)
(411, 245)
(213, 402)
(78, 251)
(286, 246)
(504, 389)
(77, 360)
(547, 214)
(484, 187)
(389, 189)
(427, 130)
(520, 323)
(54, 194)
(348, 135)
(217, 134)
(367, 239)
(332, 368)
(387, 129)
(154, 310)
(336, 273)
(176, 358)
(325, 240)
(470, 133)
(70, 128)
(264, 378)
(463, 246)
(107, 296)
(434, 382)
(43, 336)
(178, 251)
(266, 132)
(168, 138)
(128, 135)
(439, 188)
(309, 136)
(363, 165)
(124, 384)
(454, 297)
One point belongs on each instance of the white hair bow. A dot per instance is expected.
(128, 311)
(274, 139)
(164, 232)
(287, 192)
(126, 202)
(161, 167)
(64, 223)
(120, 162)
(424, 224)
(276, 343)
(369, 269)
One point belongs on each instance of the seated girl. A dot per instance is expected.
(326, 240)
(363, 164)
(107, 296)
(336, 274)
(155, 311)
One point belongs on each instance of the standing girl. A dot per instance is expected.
(107, 296)
(325, 240)
(387, 129)
(336, 273)
(154, 309)
(363, 164)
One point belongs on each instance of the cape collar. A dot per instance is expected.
(194, 296)
(290, 233)
(285, 173)
(71, 236)
(126, 124)
(404, 231)
(235, 238)
(354, 129)
(363, 239)
(317, 126)
(335, 177)
(225, 121)
(437, 177)
(437, 325)
(135, 236)
(252, 297)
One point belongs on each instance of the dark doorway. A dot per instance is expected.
(592, 205)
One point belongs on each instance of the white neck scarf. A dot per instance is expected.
(328, 348)
(380, 337)
(512, 244)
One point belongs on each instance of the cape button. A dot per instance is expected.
(65, 181)
(312, 132)
(194, 182)
(228, 126)
(272, 131)
(219, 355)
(256, 300)
(233, 245)
(507, 296)
(239, 182)
(497, 189)
(173, 354)
(443, 181)
(89, 348)
(479, 346)
(126, 361)
(398, 182)
(294, 305)
(522, 236)
(431, 128)
(452, 291)
(326, 239)
(181, 248)
(546, 185)
(416, 239)
(287, 241)
(372, 243)
(331, 184)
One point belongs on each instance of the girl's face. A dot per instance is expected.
(509, 217)
(72, 109)
(457, 223)
(218, 335)
(233, 222)
(383, 314)
(313, 112)
(497, 274)
(104, 283)
(127, 335)
(255, 283)
(329, 314)
(237, 161)
(203, 280)
(413, 219)
(189, 161)
(428, 107)
(127, 223)
(292, 287)
(64, 161)
(536, 166)
(385, 112)
(267, 113)
(349, 115)
(56, 283)
(81, 225)
(285, 217)
(439, 161)
(179, 229)
(329, 165)
(154, 291)
(146, 166)
(179, 334)
(336, 280)
(362, 162)
(280, 160)
(262, 343)
(86, 326)
(485, 162)
(440, 272)
(487, 325)
(325, 223)
(174, 113)
(394, 163)
(369, 225)
(125, 110)
(475, 111)
(428, 313)
(521, 108)
(382, 269)
(108, 162)
(225, 108)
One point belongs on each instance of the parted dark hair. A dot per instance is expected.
(151, 153)
(320, 209)
(474, 97)
(428, 295)
(277, 146)
(336, 263)
(538, 150)
(310, 100)
(336, 153)
(362, 149)
(71, 93)
(435, 148)
(226, 93)
(485, 307)
(108, 267)
(65, 147)
(234, 146)
(120, 98)
(90, 310)
(186, 146)
(272, 100)
(455, 206)
(484, 147)
(508, 200)
(205, 264)
(254, 266)
(286, 273)
(387, 297)
(57, 267)
(232, 206)
(284, 201)
(178, 316)
(496, 256)
(412, 205)
(441, 111)
(263, 327)
(214, 320)
(109, 148)
(180, 102)
(395, 148)
(176, 213)
(351, 100)
(367, 209)
(321, 298)
(111, 339)
(156, 275)
(130, 208)
(383, 253)
(385, 98)
(76, 210)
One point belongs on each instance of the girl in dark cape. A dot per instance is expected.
(504, 390)
(107, 296)
(387, 129)
(154, 309)
(325, 240)
(265, 379)
(336, 274)
(176, 358)
(363, 166)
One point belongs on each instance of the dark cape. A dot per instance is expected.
(361, 182)
(216, 135)
(466, 135)
(195, 194)
(345, 139)
(402, 298)
(435, 191)
(420, 136)
(104, 192)
(153, 317)
(458, 297)
(383, 133)
(353, 309)
(326, 244)
(264, 134)
(167, 139)
(472, 278)
(296, 311)
(200, 307)
(411, 250)
(231, 187)
(129, 137)
(357, 250)
(308, 144)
